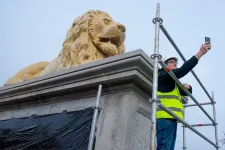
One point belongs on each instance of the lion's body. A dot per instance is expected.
(93, 36)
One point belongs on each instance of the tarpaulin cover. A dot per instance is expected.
(64, 131)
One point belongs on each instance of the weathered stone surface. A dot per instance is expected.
(118, 119)
(141, 132)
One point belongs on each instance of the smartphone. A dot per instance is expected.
(207, 39)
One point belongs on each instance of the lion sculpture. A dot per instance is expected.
(93, 36)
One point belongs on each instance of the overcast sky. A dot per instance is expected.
(33, 31)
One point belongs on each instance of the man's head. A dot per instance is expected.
(171, 62)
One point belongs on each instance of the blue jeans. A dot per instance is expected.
(166, 132)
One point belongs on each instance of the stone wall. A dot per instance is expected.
(124, 121)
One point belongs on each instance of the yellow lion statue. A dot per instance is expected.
(93, 36)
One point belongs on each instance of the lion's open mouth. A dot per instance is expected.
(113, 40)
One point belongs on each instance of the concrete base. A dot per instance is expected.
(124, 121)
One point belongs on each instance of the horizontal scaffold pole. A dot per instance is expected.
(190, 105)
(204, 124)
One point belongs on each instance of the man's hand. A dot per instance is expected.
(203, 50)
(186, 86)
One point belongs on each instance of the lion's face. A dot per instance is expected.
(107, 35)
(93, 36)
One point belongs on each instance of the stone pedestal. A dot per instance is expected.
(124, 121)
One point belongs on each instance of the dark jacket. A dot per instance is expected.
(167, 84)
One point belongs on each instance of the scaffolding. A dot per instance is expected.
(97, 109)
(155, 102)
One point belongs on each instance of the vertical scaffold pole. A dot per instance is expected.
(215, 126)
(184, 133)
(95, 117)
(156, 58)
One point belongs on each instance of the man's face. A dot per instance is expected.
(172, 64)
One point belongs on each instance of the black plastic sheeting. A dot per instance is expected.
(64, 131)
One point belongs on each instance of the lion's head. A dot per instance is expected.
(93, 36)
(107, 35)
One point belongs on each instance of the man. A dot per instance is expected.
(170, 94)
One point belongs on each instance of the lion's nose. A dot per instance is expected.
(121, 27)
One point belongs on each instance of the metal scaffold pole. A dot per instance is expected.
(95, 117)
(201, 125)
(214, 116)
(184, 133)
(156, 57)
(190, 105)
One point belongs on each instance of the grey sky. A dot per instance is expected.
(33, 31)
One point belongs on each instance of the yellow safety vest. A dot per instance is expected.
(171, 100)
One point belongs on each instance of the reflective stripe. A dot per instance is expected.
(171, 100)
(169, 96)
(171, 108)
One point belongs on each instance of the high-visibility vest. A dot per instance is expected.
(171, 100)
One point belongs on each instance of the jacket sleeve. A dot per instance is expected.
(179, 72)
(182, 93)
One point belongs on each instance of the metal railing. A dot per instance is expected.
(155, 102)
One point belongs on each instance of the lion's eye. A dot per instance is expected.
(106, 21)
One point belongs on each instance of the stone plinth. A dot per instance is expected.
(124, 121)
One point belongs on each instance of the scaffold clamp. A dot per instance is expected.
(160, 20)
(155, 100)
(156, 55)
(99, 108)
